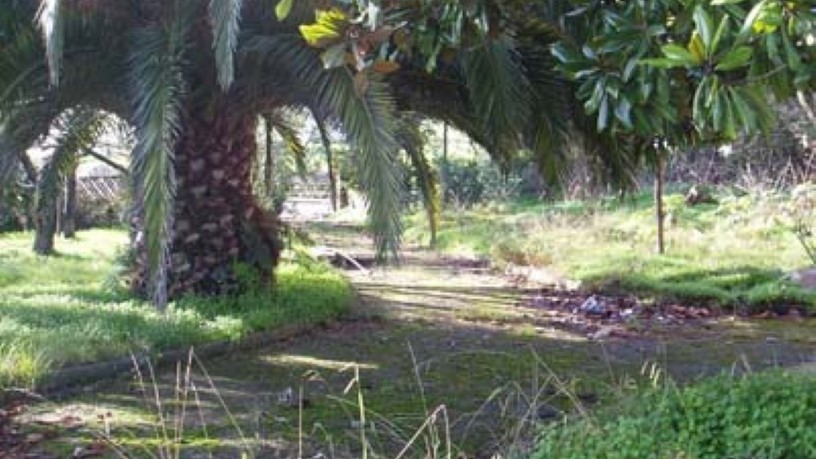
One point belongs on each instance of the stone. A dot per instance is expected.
(593, 306)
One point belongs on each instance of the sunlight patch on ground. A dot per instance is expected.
(308, 361)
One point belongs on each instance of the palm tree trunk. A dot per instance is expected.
(69, 215)
(217, 222)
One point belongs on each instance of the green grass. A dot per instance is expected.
(731, 254)
(65, 309)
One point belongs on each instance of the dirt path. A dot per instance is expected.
(433, 332)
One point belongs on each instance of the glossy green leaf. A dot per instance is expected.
(748, 24)
(718, 107)
(679, 54)
(722, 31)
(744, 112)
(729, 124)
(697, 47)
(705, 26)
(283, 8)
(629, 70)
(623, 112)
(662, 63)
(603, 114)
(793, 58)
(736, 58)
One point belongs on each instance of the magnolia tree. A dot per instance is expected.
(666, 74)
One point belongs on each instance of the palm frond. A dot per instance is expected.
(548, 123)
(225, 16)
(499, 92)
(323, 130)
(370, 122)
(369, 118)
(285, 124)
(20, 60)
(411, 140)
(19, 129)
(51, 21)
(158, 82)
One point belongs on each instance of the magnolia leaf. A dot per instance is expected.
(722, 31)
(564, 54)
(603, 114)
(629, 69)
(623, 112)
(705, 26)
(680, 55)
(748, 25)
(735, 58)
(697, 47)
(283, 8)
(329, 29)
(791, 55)
(385, 67)
(662, 63)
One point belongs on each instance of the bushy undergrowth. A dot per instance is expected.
(765, 415)
(56, 311)
(732, 254)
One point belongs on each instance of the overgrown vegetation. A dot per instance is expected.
(768, 415)
(60, 310)
(733, 254)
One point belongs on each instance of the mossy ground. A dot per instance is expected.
(428, 333)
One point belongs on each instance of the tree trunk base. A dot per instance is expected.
(220, 234)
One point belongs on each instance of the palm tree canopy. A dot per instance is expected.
(162, 64)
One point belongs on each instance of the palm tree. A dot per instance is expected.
(193, 77)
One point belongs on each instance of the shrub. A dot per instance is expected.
(469, 182)
(767, 415)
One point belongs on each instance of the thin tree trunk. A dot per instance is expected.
(658, 199)
(69, 216)
(327, 147)
(444, 174)
(217, 223)
(45, 222)
(60, 206)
